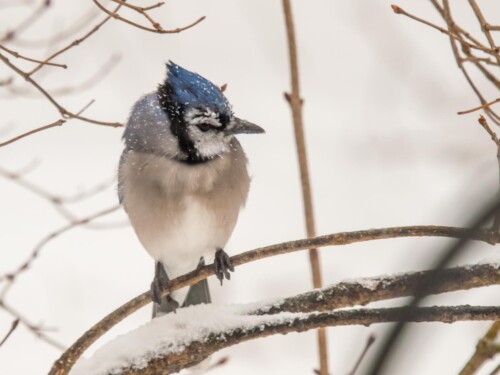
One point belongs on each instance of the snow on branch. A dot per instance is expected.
(69, 357)
(178, 341)
(181, 340)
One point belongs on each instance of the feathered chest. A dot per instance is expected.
(169, 202)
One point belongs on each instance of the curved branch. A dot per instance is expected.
(66, 361)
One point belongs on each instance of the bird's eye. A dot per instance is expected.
(204, 127)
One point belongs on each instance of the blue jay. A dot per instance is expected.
(182, 180)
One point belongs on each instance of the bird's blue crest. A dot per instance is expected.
(191, 89)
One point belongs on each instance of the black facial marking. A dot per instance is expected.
(175, 112)
(224, 119)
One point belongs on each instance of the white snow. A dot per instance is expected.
(170, 334)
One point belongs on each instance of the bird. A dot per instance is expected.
(182, 180)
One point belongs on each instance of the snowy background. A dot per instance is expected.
(386, 148)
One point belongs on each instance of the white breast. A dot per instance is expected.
(192, 234)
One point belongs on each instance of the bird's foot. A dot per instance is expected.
(160, 282)
(222, 265)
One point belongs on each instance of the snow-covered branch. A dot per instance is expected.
(166, 345)
(309, 306)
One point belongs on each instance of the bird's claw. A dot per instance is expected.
(160, 282)
(222, 265)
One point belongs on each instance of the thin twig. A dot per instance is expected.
(59, 122)
(482, 121)
(33, 131)
(63, 111)
(72, 29)
(13, 326)
(485, 105)
(157, 29)
(483, 350)
(445, 13)
(143, 11)
(36, 330)
(484, 27)
(74, 43)
(398, 10)
(11, 276)
(369, 343)
(66, 361)
(27, 22)
(88, 83)
(19, 56)
(295, 102)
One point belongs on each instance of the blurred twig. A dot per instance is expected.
(295, 102)
(27, 22)
(386, 351)
(11, 276)
(88, 83)
(485, 349)
(14, 325)
(369, 343)
(35, 329)
(52, 39)
(75, 42)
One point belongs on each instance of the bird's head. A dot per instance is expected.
(200, 116)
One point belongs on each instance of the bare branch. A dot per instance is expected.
(482, 121)
(398, 10)
(373, 289)
(19, 56)
(33, 131)
(485, 28)
(295, 102)
(63, 111)
(485, 105)
(157, 27)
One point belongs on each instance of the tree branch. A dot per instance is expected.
(208, 340)
(341, 296)
(295, 102)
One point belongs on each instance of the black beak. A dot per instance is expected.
(240, 126)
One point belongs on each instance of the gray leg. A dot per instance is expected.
(222, 265)
(199, 292)
(161, 304)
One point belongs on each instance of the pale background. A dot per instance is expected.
(386, 148)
